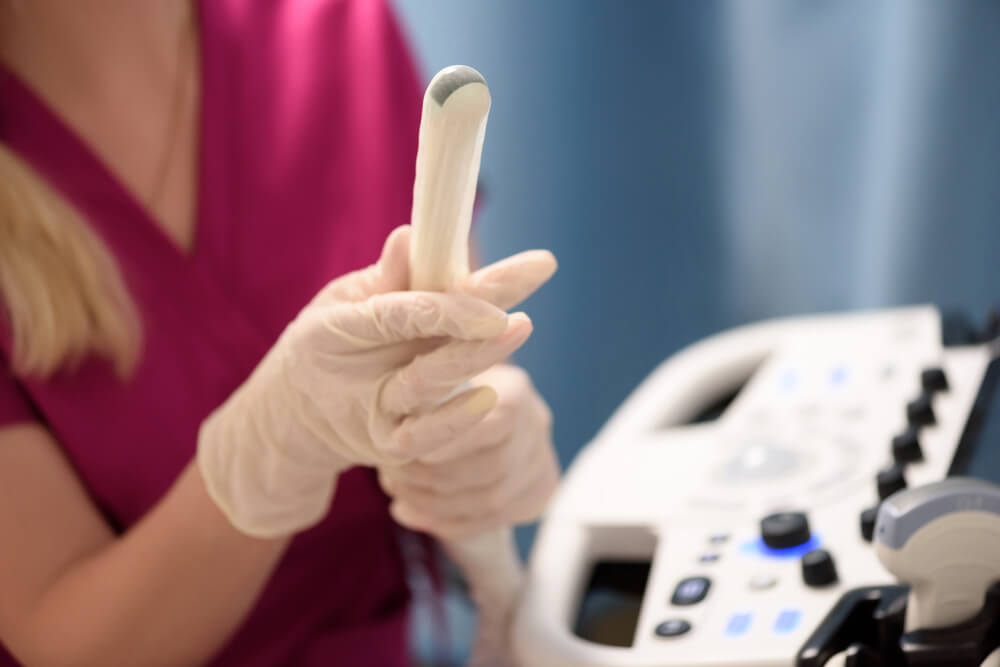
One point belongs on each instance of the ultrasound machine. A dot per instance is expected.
(804, 492)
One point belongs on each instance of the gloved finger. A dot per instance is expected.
(496, 428)
(524, 507)
(431, 377)
(496, 445)
(422, 433)
(517, 396)
(391, 273)
(399, 317)
(510, 281)
(480, 467)
(493, 497)
(386, 481)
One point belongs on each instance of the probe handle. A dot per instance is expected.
(452, 130)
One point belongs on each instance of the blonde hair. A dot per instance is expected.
(59, 285)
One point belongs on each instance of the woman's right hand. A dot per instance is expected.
(348, 383)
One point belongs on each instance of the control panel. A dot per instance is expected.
(732, 499)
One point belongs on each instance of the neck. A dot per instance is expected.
(123, 75)
(78, 42)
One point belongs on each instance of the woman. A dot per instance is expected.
(191, 411)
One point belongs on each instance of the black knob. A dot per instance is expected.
(868, 523)
(818, 569)
(890, 480)
(933, 379)
(785, 529)
(920, 411)
(906, 446)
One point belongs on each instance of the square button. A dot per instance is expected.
(738, 624)
(787, 621)
(691, 591)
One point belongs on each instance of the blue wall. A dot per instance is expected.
(698, 164)
(862, 162)
(599, 148)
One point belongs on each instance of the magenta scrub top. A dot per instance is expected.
(309, 120)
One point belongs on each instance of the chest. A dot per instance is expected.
(206, 322)
(295, 186)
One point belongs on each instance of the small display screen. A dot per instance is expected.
(978, 452)
(609, 610)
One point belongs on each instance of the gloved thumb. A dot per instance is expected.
(391, 273)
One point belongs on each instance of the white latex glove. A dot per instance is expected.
(499, 471)
(347, 382)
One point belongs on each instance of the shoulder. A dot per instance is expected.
(315, 77)
(314, 119)
(357, 38)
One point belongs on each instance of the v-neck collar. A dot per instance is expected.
(200, 277)
(40, 137)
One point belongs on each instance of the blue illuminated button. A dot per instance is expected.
(758, 548)
(787, 621)
(839, 376)
(738, 624)
(788, 379)
(673, 627)
(691, 591)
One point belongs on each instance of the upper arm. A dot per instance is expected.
(47, 522)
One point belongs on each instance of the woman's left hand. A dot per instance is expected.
(500, 472)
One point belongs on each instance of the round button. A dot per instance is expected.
(868, 523)
(920, 411)
(785, 529)
(818, 569)
(691, 591)
(673, 627)
(933, 379)
(762, 582)
(890, 480)
(906, 447)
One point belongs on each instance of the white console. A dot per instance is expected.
(671, 496)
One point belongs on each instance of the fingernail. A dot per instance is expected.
(519, 327)
(488, 327)
(552, 264)
(481, 401)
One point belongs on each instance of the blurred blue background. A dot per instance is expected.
(600, 146)
(695, 165)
